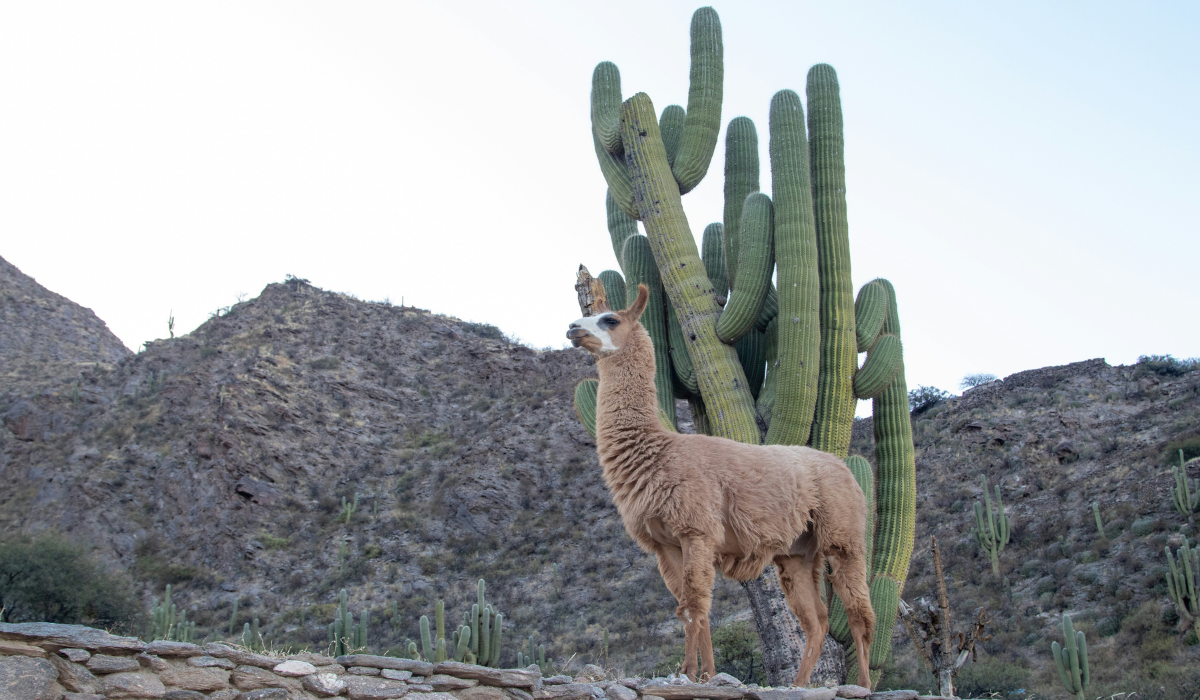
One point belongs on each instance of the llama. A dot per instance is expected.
(699, 502)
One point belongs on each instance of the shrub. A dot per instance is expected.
(980, 680)
(1165, 365)
(923, 398)
(483, 330)
(48, 579)
(973, 380)
(1190, 446)
(736, 651)
(325, 363)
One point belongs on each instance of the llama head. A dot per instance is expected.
(607, 331)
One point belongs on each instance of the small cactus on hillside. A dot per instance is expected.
(169, 624)
(1183, 578)
(1072, 660)
(477, 641)
(1185, 494)
(527, 658)
(1099, 520)
(991, 527)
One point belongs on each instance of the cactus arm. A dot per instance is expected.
(1061, 665)
(752, 354)
(585, 404)
(671, 126)
(606, 100)
(1099, 521)
(895, 494)
(884, 362)
(870, 312)
(485, 635)
(427, 648)
(681, 362)
(614, 289)
(722, 381)
(641, 267)
(702, 124)
(714, 258)
(464, 643)
(770, 309)
(861, 469)
(756, 260)
(1003, 532)
(620, 227)
(741, 179)
(439, 617)
(836, 402)
(799, 328)
(495, 661)
(1085, 676)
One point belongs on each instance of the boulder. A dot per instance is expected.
(568, 691)
(103, 663)
(418, 668)
(204, 678)
(255, 678)
(82, 696)
(518, 694)
(242, 658)
(375, 688)
(852, 691)
(394, 675)
(894, 695)
(590, 674)
(26, 678)
(75, 677)
(557, 680)
(687, 691)
(364, 671)
(79, 656)
(184, 695)
(205, 661)
(11, 647)
(164, 648)
(264, 694)
(53, 636)
(132, 685)
(724, 680)
(443, 683)
(506, 677)
(324, 685)
(616, 691)
(481, 692)
(294, 669)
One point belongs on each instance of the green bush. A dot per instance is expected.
(1165, 365)
(483, 330)
(736, 652)
(1189, 445)
(980, 680)
(924, 398)
(325, 363)
(48, 579)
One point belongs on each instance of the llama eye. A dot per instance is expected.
(609, 322)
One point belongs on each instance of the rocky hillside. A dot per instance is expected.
(45, 337)
(219, 461)
(1056, 440)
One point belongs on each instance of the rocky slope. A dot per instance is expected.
(45, 337)
(219, 462)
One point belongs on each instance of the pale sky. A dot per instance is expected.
(1025, 173)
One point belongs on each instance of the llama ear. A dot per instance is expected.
(634, 312)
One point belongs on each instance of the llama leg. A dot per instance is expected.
(670, 565)
(800, 577)
(698, 575)
(849, 579)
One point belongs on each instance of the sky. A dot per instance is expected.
(1025, 173)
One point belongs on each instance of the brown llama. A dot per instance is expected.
(697, 502)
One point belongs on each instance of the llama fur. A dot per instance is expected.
(701, 503)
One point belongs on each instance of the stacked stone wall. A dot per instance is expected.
(43, 661)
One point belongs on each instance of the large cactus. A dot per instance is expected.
(725, 324)
(1071, 660)
(1183, 579)
(991, 527)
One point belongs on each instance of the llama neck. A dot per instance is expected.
(627, 400)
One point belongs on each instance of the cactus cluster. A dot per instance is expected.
(759, 362)
(1072, 660)
(1183, 577)
(346, 636)
(477, 641)
(991, 527)
(1185, 494)
(527, 658)
(169, 623)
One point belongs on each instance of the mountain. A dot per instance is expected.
(45, 337)
(308, 441)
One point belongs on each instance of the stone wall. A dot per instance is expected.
(43, 661)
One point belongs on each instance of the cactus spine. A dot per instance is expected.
(805, 333)
(991, 527)
(1183, 577)
(1072, 660)
(1185, 494)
